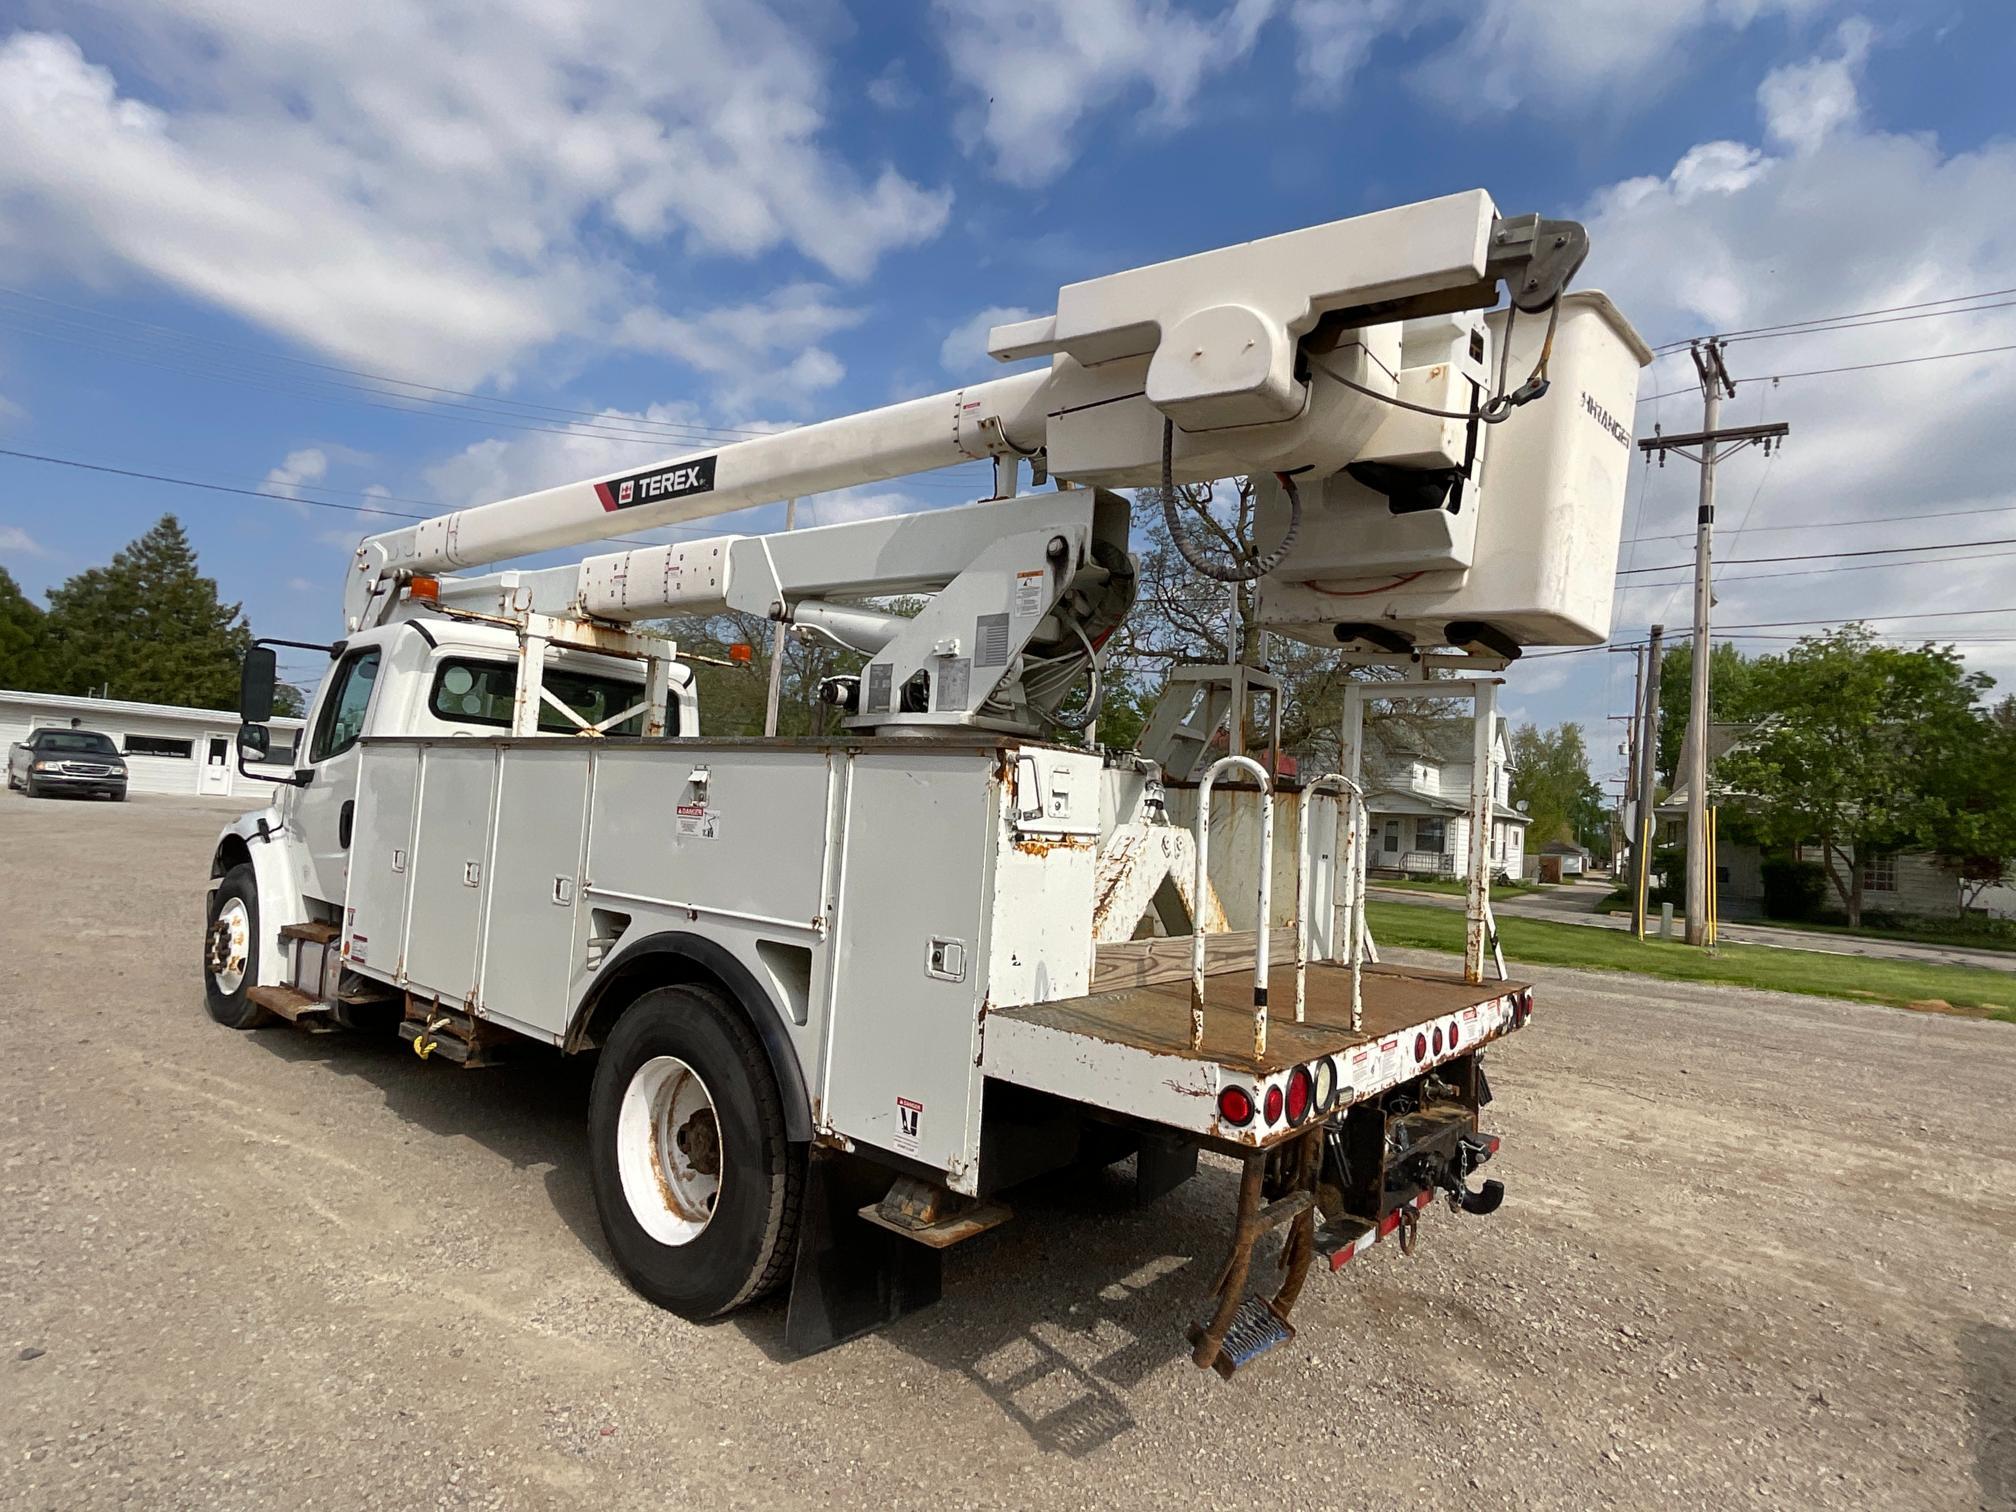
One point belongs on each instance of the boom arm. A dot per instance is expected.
(1210, 344)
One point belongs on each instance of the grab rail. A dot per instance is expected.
(1203, 882)
(1354, 891)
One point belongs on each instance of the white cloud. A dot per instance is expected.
(963, 353)
(1736, 237)
(1560, 56)
(309, 465)
(17, 542)
(441, 190)
(1041, 66)
(743, 347)
(1334, 37)
(1805, 102)
(503, 468)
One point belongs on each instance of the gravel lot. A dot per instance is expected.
(1756, 1249)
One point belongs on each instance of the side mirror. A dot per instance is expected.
(255, 686)
(255, 741)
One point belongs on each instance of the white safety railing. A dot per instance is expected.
(1202, 891)
(1353, 877)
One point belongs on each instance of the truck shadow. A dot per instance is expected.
(1057, 1316)
(1988, 1354)
(531, 1111)
(1060, 1315)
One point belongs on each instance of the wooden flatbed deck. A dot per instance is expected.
(1156, 1017)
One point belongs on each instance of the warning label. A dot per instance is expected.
(909, 1124)
(1029, 594)
(697, 821)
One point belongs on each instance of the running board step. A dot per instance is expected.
(451, 1036)
(306, 1013)
(933, 1215)
(1256, 1328)
(313, 932)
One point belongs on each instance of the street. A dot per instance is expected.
(1755, 1248)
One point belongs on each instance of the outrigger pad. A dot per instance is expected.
(851, 1277)
(1256, 1328)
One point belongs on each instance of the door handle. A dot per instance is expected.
(343, 818)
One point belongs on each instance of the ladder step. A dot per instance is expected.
(314, 933)
(1294, 1205)
(295, 1006)
(1256, 1328)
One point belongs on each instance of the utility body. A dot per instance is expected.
(845, 993)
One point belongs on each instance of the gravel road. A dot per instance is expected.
(1756, 1250)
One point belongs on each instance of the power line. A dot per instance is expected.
(1823, 556)
(1758, 577)
(1852, 367)
(1910, 519)
(1926, 304)
(1859, 619)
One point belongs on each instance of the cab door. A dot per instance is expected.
(326, 807)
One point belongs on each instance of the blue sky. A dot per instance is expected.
(626, 225)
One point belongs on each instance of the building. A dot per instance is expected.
(1561, 861)
(167, 749)
(1417, 796)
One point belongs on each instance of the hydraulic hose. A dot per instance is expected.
(1240, 571)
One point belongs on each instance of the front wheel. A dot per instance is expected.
(231, 950)
(695, 1182)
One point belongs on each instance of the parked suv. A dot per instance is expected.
(67, 761)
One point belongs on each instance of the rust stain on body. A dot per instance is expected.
(1038, 845)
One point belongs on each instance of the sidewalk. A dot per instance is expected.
(1575, 903)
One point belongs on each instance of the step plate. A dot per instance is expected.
(1256, 1328)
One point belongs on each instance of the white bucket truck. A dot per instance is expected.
(846, 992)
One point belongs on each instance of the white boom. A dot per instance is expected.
(1215, 345)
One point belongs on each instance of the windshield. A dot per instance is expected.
(81, 742)
(479, 692)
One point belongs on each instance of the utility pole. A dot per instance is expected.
(776, 693)
(1648, 779)
(1710, 439)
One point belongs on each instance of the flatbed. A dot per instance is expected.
(1129, 1048)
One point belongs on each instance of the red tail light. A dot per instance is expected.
(1235, 1106)
(1455, 1035)
(1438, 1039)
(1420, 1047)
(1301, 1094)
(1274, 1104)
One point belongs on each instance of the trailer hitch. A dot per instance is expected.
(1472, 1150)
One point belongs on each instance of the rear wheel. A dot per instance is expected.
(695, 1182)
(231, 950)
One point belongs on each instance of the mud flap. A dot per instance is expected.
(851, 1277)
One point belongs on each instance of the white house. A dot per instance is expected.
(167, 749)
(1418, 799)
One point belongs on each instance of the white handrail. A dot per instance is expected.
(1201, 892)
(1354, 901)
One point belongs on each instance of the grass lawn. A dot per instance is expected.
(1548, 944)
(1930, 933)
(1454, 887)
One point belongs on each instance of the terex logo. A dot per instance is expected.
(1602, 418)
(681, 478)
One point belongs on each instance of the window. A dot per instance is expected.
(1428, 835)
(482, 692)
(1810, 850)
(1879, 874)
(73, 743)
(159, 745)
(344, 706)
(1391, 843)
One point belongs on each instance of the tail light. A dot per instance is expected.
(1301, 1094)
(1455, 1035)
(1274, 1104)
(1326, 1084)
(1438, 1039)
(1421, 1047)
(1235, 1106)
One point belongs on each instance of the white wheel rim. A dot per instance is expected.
(668, 1150)
(230, 946)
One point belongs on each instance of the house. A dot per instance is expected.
(1908, 883)
(1417, 797)
(167, 749)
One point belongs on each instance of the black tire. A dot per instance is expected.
(749, 1240)
(234, 1010)
(28, 787)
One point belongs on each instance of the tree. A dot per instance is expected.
(1728, 678)
(148, 626)
(24, 659)
(1550, 776)
(1860, 748)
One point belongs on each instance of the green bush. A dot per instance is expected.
(1793, 889)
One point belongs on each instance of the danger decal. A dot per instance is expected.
(909, 1124)
(674, 481)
